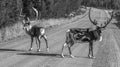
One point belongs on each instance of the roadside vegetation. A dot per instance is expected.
(55, 9)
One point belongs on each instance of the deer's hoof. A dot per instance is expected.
(72, 56)
(38, 50)
(30, 49)
(91, 57)
(62, 55)
(47, 49)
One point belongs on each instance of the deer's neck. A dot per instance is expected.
(96, 34)
(29, 30)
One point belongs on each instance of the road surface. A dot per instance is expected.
(15, 53)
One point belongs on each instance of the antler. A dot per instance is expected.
(27, 19)
(94, 22)
(36, 11)
(108, 20)
(24, 18)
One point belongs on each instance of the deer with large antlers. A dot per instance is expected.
(85, 35)
(34, 31)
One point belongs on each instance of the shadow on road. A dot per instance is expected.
(34, 53)
(4, 49)
(30, 53)
(40, 54)
(50, 55)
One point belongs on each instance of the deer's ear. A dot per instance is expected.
(23, 21)
(28, 19)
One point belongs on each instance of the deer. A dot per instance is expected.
(34, 31)
(85, 35)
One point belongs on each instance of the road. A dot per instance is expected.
(15, 53)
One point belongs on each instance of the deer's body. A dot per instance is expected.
(34, 31)
(81, 35)
(84, 35)
(37, 33)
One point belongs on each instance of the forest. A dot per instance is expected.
(10, 9)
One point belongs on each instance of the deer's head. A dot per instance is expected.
(101, 27)
(26, 21)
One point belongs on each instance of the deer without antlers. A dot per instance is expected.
(34, 31)
(85, 35)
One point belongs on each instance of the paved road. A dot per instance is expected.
(15, 54)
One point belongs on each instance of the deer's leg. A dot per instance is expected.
(31, 44)
(90, 55)
(39, 43)
(63, 49)
(45, 38)
(69, 48)
(36, 42)
(92, 50)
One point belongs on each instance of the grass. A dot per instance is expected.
(16, 30)
(12, 32)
